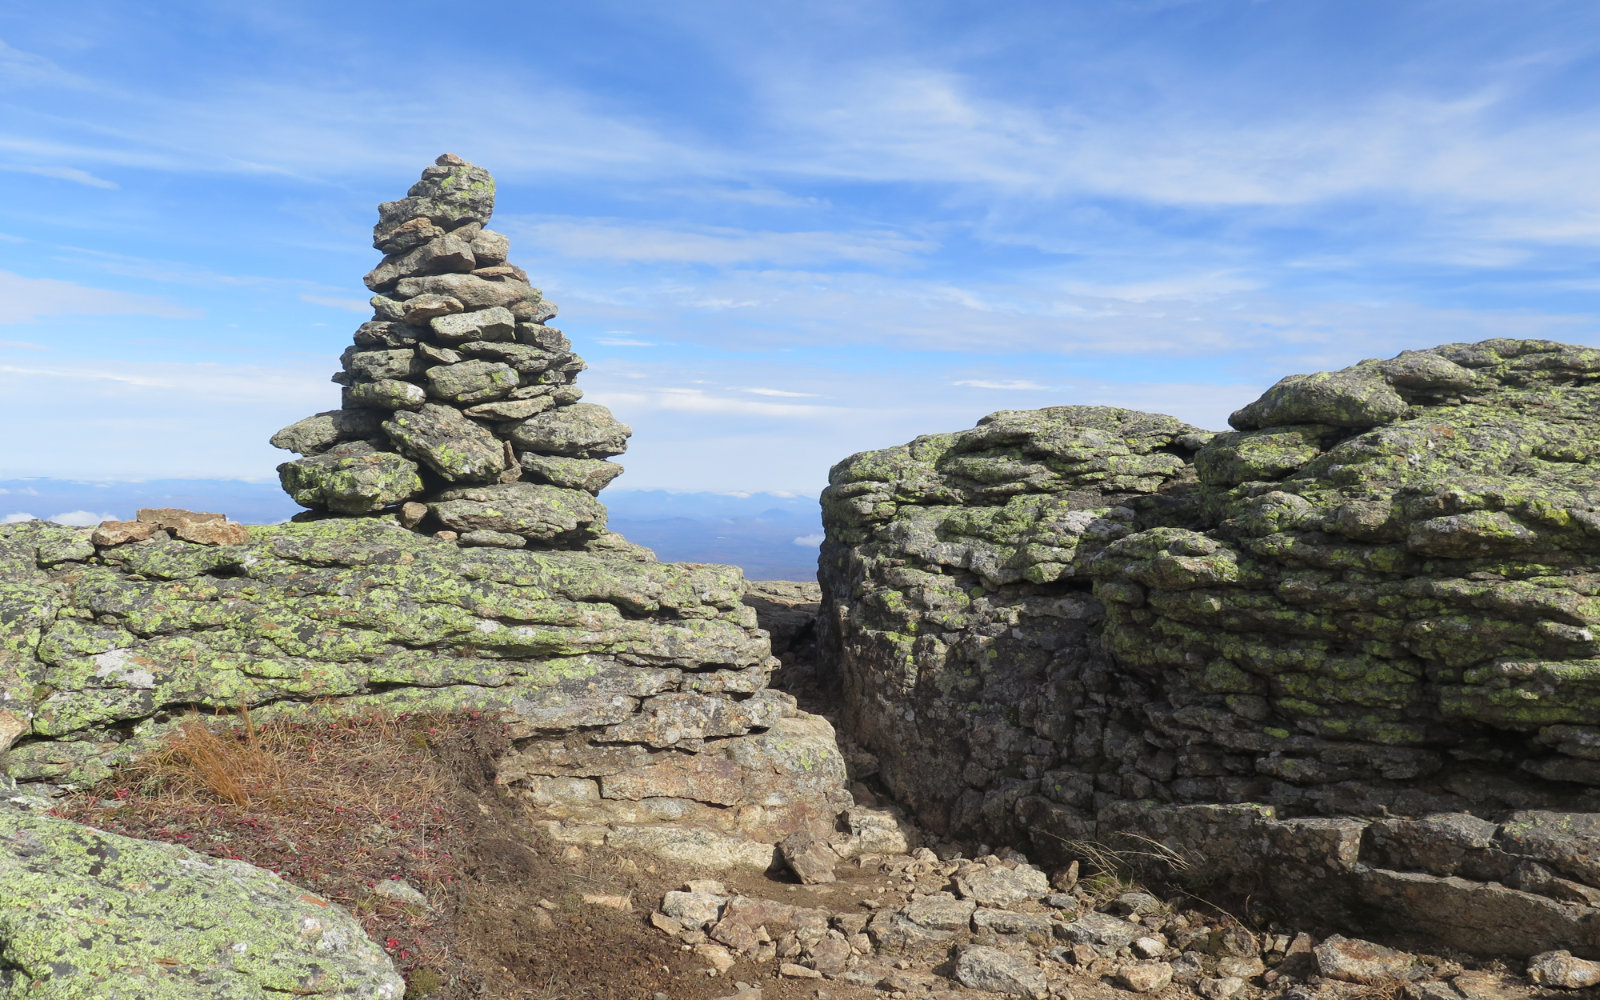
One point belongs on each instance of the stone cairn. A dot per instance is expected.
(459, 413)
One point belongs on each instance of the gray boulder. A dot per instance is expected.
(88, 915)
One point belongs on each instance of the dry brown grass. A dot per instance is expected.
(335, 804)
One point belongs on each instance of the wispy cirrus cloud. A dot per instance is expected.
(622, 240)
(23, 300)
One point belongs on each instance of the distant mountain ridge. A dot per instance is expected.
(771, 536)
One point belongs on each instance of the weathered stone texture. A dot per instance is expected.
(456, 373)
(85, 913)
(1375, 597)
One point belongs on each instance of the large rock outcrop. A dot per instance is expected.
(606, 667)
(1346, 651)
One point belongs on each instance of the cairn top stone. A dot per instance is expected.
(451, 193)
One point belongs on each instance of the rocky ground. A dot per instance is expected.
(400, 820)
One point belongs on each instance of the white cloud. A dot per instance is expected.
(1011, 384)
(80, 518)
(623, 342)
(781, 392)
(61, 173)
(809, 541)
(17, 518)
(699, 401)
(23, 300)
(623, 240)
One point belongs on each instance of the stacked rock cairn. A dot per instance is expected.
(459, 415)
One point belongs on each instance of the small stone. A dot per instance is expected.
(661, 922)
(1011, 922)
(387, 394)
(213, 533)
(493, 323)
(694, 910)
(1063, 879)
(1563, 970)
(588, 474)
(492, 540)
(469, 382)
(1224, 988)
(386, 309)
(446, 535)
(793, 971)
(1144, 977)
(400, 891)
(941, 911)
(381, 333)
(352, 478)
(412, 513)
(719, 958)
(608, 900)
(830, 954)
(983, 968)
(810, 859)
(375, 366)
(1060, 901)
(316, 434)
(422, 308)
(582, 430)
(1357, 961)
(1134, 904)
(1002, 886)
(453, 446)
(123, 532)
(510, 409)
(1240, 967)
(1099, 930)
(1149, 947)
(526, 509)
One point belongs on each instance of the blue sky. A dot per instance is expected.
(781, 233)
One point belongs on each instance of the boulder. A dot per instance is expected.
(1093, 625)
(85, 913)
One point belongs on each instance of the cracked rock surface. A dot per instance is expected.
(1345, 653)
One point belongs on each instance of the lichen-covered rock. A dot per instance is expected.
(88, 914)
(528, 510)
(353, 478)
(1376, 595)
(368, 614)
(448, 443)
(582, 430)
(316, 434)
(590, 474)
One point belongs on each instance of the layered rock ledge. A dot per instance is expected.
(1343, 655)
(605, 667)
